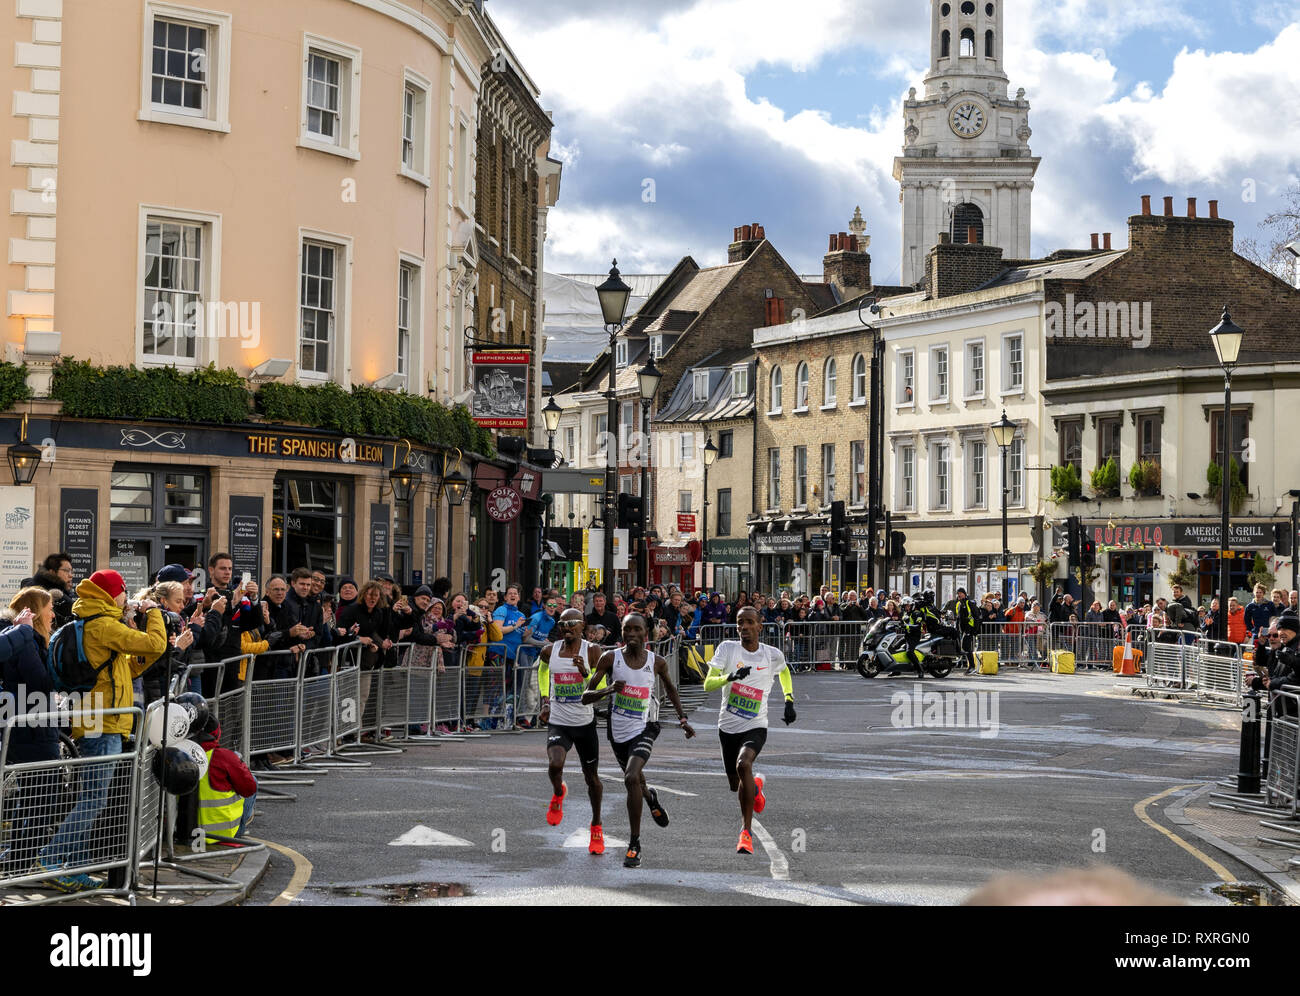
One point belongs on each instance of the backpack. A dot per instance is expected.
(68, 665)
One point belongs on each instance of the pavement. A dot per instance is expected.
(875, 798)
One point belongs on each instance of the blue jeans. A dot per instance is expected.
(248, 815)
(70, 845)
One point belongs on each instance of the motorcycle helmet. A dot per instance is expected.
(176, 771)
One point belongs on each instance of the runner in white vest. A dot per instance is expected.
(747, 668)
(633, 719)
(561, 677)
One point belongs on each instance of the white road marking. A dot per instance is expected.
(657, 788)
(777, 862)
(581, 838)
(911, 893)
(422, 836)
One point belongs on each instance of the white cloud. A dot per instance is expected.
(1220, 118)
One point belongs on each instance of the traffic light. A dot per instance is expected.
(1074, 530)
(1087, 550)
(897, 545)
(1282, 539)
(839, 548)
(631, 512)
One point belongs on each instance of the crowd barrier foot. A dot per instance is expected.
(1293, 845)
(271, 793)
(1256, 809)
(208, 881)
(367, 750)
(218, 848)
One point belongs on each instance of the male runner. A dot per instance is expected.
(633, 719)
(749, 668)
(568, 663)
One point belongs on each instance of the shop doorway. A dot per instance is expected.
(157, 517)
(1132, 578)
(311, 525)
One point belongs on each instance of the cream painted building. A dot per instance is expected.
(282, 189)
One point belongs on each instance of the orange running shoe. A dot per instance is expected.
(760, 800)
(555, 811)
(597, 845)
(746, 845)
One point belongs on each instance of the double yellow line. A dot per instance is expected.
(1140, 809)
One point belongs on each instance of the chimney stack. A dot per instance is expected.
(746, 239)
(1169, 207)
(846, 267)
(1095, 243)
(1214, 209)
(1106, 240)
(1146, 204)
(1191, 207)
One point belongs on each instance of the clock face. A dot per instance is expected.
(967, 119)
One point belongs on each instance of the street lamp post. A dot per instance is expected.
(551, 413)
(1004, 432)
(710, 454)
(648, 380)
(613, 295)
(1226, 337)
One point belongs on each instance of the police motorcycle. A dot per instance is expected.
(884, 648)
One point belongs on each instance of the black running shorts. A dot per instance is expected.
(639, 746)
(585, 738)
(734, 743)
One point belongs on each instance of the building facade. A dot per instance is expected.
(292, 195)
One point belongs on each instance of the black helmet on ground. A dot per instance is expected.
(176, 771)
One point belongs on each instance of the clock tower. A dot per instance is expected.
(966, 161)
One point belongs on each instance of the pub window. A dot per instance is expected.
(1070, 438)
(1108, 430)
(1240, 430)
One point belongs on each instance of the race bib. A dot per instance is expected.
(632, 701)
(568, 686)
(744, 701)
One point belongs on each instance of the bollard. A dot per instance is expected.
(1248, 768)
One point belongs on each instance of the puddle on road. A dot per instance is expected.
(1251, 894)
(399, 893)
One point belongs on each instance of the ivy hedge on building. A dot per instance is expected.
(210, 395)
(13, 385)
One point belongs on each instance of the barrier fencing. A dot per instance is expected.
(1284, 749)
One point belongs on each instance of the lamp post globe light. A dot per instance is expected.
(613, 295)
(648, 381)
(710, 455)
(1227, 337)
(1004, 432)
(551, 415)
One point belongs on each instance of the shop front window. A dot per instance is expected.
(157, 517)
(311, 525)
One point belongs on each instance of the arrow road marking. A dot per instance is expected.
(422, 836)
(777, 862)
(580, 838)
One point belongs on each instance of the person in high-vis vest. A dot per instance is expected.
(227, 790)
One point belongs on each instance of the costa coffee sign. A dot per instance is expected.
(504, 504)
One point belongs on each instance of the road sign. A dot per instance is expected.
(575, 482)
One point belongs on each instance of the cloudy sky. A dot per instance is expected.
(678, 120)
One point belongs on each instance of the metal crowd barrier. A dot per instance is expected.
(1092, 643)
(1284, 749)
(527, 693)
(77, 815)
(486, 685)
(1017, 644)
(822, 646)
(1218, 670)
(1168, 658)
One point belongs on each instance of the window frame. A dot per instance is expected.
(466, 158)
(1103, 453)
(415, 317)
(686, 502)
(802, 388)
(970, 394)
(830, 384)
(726, 444)
(858, 400)
(1062, 433)
(829, 480)
(1215, 441)
(775, 391)
(939, 358)
(739, 381)
(1007, 388)
(216, 116)
(419, 170)
(1016, 472)
(906, 496)
(858, 472)
(800, 469)
(774, 477)
(940, 476)
(349, 144)
(903, 384)
(977, 474)
(211, 271)
(341, 345)
(699, 393)
(620, 353)
(686, 447)
(598, 434)
(722, 527)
